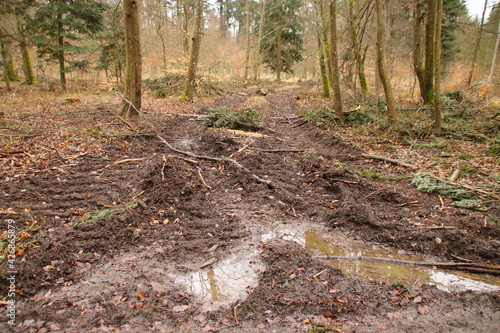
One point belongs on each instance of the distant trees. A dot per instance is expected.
(58, 25)
(381, 60)
(190, 83)
(281, 43)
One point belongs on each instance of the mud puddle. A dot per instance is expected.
(231, 279)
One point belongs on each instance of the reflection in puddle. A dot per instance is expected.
(391, 272)
(227, 281)
(233, 278)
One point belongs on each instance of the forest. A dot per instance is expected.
(249, 166)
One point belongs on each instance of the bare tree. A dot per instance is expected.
(189, 85)
(430, 29)
(334, 58)
(437, 68)
(382, 70)
(258, 55)
(476, 48)
(418, 64)
(247, 36)
(133, 60)
(493, 62)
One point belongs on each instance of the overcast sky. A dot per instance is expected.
(476, 7)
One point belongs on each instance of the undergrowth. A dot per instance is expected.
(245, 119)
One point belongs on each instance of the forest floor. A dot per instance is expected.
(118, 232)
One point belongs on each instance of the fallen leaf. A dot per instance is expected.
(181, 308)
(417, 299)
(423, 309)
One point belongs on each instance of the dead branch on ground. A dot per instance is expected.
(471, 267)
(390, 160)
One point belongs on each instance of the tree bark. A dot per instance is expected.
(493, 62)
(8, 27)
(189, 85)
(4, 60)
(278, 50)
(356, 42)
(30, 78)
(418, 64)
(185, 27)
(322, 65)
(382, 71)
(476, 48)
(133, 60)
(430, 28)
(335, 63)
(437, 68)
(258, 60)
(60, 52)
(247, 35)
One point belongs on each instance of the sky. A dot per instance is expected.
(476, 7)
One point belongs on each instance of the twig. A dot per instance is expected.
(455, 174)
(216, 159)
(472, 267)
(203, 180)
(443, 206)
(279, 150)
(163, 168)
(236, 314)
(437, 227)
(408, 203)
(127, 123)
(390, 160)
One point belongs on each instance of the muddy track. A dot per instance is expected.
(134, 271)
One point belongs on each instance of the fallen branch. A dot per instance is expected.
(471, 267)
(279, 150)
(390, 160)
(216, 159)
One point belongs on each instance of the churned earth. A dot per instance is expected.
(227, 232)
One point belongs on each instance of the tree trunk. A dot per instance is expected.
(258, 57)
(356, 42)
(322, 65)
(247, 34)
(185, 27)
(159, 31)
(60, 52)
(6, 40)
(335, 62)
(437, 68)
(133, 60)
(476, 48)
(493, 62)
(189, 85)
(325, 42)
(30, 78)
(430, 28)
(4, 59)
(382, 71)
(418, 65)
(278, 49)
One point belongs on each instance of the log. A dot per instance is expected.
(390, 160)
(471, 267)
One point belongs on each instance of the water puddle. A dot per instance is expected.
(233, 278)
(447, 280)
(227, 281)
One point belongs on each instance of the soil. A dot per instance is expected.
(171, 214)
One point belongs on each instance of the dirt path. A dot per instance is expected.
(186, 244)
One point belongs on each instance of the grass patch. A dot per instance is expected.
(94, 217)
